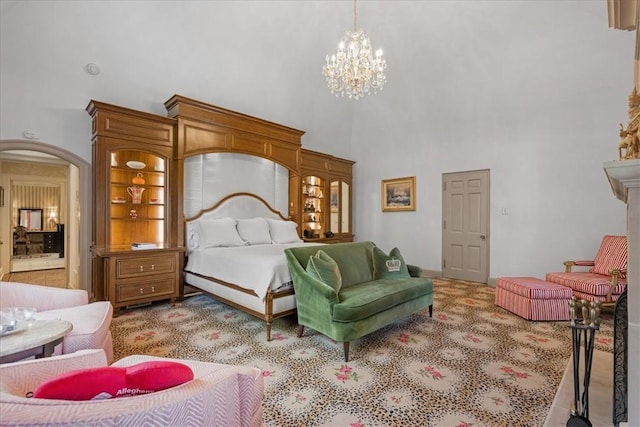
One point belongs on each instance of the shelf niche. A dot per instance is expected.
(326, 197)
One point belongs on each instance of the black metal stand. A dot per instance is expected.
(582, 333)
(620, 360)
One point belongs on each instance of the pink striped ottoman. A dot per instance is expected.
(533, 299)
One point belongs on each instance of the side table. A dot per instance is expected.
(33, 338)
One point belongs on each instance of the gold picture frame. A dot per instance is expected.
(399, 194)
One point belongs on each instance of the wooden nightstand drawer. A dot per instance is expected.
(142, 265)
(150, 289)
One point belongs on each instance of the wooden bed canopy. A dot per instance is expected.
(203, 128)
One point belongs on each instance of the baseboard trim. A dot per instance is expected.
(437, 274)
(431, 273)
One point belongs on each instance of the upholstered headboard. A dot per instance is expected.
(237, 206)
(210, 178)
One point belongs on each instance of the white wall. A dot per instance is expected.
(533, 91)
(260, 58)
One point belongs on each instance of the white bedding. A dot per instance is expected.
(255, 267)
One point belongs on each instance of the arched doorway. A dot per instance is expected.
(84, 200)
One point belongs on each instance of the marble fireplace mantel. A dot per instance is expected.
(623, 174)
(624, 177)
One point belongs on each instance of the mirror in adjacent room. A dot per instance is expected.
(31, 219)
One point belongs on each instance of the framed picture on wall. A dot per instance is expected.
(399, 194)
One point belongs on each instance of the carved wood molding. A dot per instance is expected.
(205, 128)
(623, 14)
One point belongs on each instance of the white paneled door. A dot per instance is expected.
(465, 225)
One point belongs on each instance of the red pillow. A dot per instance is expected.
(111, 381)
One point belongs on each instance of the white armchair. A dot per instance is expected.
(91, 322)
(218, 395)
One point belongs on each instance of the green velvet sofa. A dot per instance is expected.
(361, 290)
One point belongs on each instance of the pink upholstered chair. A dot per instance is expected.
(605, 280)
(91, 322)
(218, 395)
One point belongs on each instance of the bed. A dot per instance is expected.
(235, 253)
(234, 168)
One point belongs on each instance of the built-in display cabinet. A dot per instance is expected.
(326, 198)
(137, 231)
(137, 258)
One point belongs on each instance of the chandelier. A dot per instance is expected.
(353, 70)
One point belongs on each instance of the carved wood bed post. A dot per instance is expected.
(268, 312)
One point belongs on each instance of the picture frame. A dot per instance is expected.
(399, 194)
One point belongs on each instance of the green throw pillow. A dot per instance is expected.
(322, 267)
(390, 266)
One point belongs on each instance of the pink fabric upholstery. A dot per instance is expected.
(19, 378)
(612, 255)
(43, 298)
(532, 298)
(533, 288)
(596, 283)
(91, 322)
(219, 395)
(596, 286)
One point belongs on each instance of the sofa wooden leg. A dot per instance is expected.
(300, 330)
(431, 310)
(346, 351)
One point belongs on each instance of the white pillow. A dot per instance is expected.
(219, 232)
(254, 231)
(283, 231)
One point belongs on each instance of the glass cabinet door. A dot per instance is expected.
(340, 206)
(345, 208)
(334, 225)
(137, 198)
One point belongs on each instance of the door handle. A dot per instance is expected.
(483, 237)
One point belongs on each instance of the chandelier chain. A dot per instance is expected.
(355, 16)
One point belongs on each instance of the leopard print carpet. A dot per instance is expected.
(472, 364)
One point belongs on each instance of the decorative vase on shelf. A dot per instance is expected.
(138, 179)
(136, 194)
